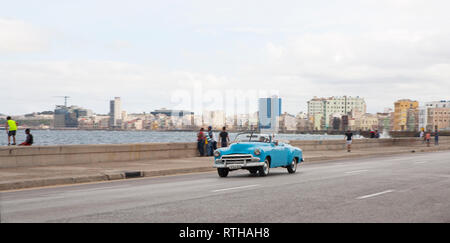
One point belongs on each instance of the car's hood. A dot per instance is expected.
(240, 148)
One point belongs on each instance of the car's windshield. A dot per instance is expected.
(252, 137)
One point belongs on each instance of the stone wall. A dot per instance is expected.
(11, 157)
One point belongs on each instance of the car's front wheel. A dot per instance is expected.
(223, 172)
(264, 170)
(292, 168)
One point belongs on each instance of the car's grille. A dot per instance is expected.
(237, 158)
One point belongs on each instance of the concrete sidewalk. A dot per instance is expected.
(27, 177)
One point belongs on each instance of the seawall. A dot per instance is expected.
(12, 157)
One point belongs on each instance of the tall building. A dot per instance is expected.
(115, 113)
(404, 112)
(269, 114)
(331, 106)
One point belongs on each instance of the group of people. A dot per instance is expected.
(374, 134)
(206, 141)
(11, 130)
(426, 137)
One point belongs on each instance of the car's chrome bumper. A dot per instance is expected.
(239, 166)
(237, 162)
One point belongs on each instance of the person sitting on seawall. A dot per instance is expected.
(29, 141)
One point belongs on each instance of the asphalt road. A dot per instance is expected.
(402, 188)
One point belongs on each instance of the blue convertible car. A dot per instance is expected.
(256, 153)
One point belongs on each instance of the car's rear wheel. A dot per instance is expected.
(223, 172)
(292, 168)
(264, 170)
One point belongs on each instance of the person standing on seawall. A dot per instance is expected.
(211, 141)
(11, 130)
(422, 136)
(224, 139)
(428, 138)
(436, 138)
(201, 142)
(348, 137)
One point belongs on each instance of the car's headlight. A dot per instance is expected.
(216, 153)
(257, 152)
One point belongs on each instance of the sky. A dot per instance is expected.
(203, 55)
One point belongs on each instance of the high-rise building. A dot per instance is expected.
(269, 114)
(331, 106)
(115, 113)
(404, 112)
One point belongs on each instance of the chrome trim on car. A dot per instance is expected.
(251, 164)
(242, 160)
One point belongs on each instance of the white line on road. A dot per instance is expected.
(356, 171)
(375, 194)
(234, 188)
(421, 162)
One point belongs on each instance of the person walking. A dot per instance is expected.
(11, 130)
(201, 142)
(348, 137)
(422, 136)
(29, 141)
(224, 139)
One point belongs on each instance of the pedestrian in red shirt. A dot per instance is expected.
(201, 142)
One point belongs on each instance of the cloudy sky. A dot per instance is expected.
(170, 53)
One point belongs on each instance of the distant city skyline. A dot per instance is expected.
(106, 110)
(145, 51)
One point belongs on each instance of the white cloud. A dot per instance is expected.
(91, 84)
(381, 50)
(18, 36)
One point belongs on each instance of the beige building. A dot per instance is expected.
(367, 122)
(288, 122)
(439, 118)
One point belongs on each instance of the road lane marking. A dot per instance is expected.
(234, 188)
(421, 162)
(375, 194)
(355, 171)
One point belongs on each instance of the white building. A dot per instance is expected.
(332, 105)
(269, 114)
